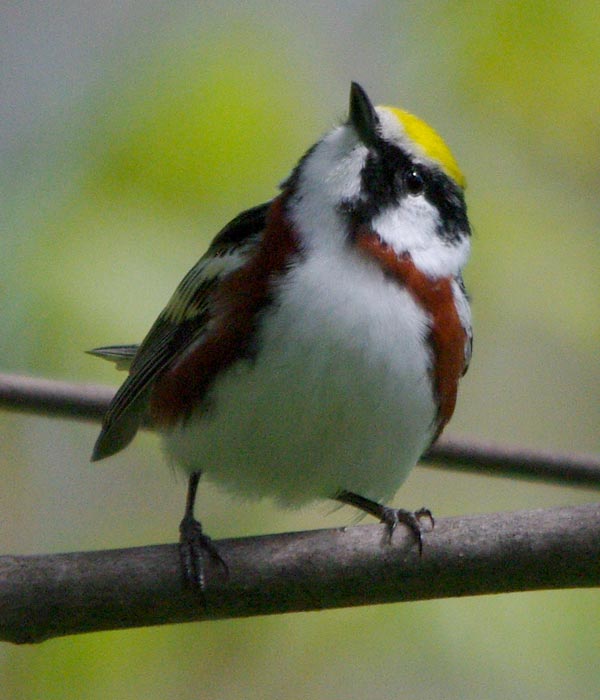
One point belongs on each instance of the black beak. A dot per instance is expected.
(363, 116)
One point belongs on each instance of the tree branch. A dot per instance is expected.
(54, 595)
(89, 402)
(49, 397)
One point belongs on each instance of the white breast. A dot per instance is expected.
(338, 397)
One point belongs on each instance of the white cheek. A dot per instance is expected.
(443, 259)
(412, 227)
(412, 224)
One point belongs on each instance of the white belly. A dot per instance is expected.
(339, 396)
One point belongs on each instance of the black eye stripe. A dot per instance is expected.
(389, 175)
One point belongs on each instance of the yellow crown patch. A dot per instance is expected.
(430, 142)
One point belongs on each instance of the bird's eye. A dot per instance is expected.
(414, 182)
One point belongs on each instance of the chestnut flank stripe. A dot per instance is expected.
(234, 310)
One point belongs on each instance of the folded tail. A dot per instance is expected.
(116, 435)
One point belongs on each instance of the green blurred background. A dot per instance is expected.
(129, 133)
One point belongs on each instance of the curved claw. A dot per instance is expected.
(425, 513)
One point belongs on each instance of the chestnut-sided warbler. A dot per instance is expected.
(315, 350)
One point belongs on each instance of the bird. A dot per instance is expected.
(315, 350)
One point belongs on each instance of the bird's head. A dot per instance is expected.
(387, 170)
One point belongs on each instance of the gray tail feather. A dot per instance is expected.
(121, 355)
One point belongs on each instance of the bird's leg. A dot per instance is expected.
(194, 545)
(390, 516)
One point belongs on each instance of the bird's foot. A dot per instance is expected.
(195, 549)
(391, 517)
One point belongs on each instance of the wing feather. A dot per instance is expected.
(182, 323)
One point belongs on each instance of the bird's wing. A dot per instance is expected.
(181, 323)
